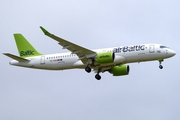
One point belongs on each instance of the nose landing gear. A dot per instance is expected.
(160, 61)
(160, 66)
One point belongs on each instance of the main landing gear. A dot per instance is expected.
(160, 61)
(97, 76)
(88, 69)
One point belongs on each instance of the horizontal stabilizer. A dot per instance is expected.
(16, 57)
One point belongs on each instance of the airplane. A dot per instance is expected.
(114, 60)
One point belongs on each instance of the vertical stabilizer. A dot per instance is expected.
(25, 49)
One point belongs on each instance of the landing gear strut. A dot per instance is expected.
(160, 61)
(88, 69)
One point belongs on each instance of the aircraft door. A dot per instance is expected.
(151, 49)
(42, 60)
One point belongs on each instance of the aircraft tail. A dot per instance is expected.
(25, 49)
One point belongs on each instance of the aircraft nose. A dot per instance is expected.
(172, 52)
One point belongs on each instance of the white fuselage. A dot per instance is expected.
(123, 54)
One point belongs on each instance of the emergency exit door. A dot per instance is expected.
(151, 49)
(42, 60)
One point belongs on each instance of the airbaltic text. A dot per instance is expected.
(129, 48)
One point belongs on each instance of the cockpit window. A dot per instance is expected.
(163, 46)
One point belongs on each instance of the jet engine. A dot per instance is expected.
(120, 70)
(105, 57)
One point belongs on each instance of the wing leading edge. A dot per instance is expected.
(81, 52)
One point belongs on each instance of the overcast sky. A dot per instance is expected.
(147, 93)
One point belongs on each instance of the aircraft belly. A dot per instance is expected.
(79, 64)
(63, 64)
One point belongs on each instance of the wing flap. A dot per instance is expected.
(16, 57)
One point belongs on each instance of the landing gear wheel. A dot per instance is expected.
(160, 66)
(88, 69)
(97, 76)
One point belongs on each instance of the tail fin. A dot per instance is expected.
(25, 49)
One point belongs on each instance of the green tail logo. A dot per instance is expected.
(24, 47)
(26, 53)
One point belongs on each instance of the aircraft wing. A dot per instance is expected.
(81, 52)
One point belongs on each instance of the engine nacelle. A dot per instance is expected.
(120, 70)
(106, 57)
(119, 59)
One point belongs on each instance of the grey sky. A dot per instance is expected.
(146, 93)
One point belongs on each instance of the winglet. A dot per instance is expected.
(45, 31)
